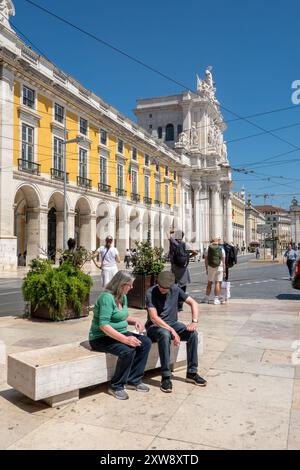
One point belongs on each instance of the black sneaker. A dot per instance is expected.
(166, 385)
(195, 379)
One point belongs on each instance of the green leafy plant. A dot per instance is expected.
(148, 259)
(56, 287)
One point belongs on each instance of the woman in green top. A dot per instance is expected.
(109, 334)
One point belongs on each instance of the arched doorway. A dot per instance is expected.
(52, 233)
(55, 225)
(27, 223)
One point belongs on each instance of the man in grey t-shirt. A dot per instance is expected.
(163, 326)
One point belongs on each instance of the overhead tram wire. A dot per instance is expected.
(264, 131)
(152, 69)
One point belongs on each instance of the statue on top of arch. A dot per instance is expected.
(7, 9)
(206, 88)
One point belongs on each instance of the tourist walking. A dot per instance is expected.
(291, 257)
(215, 269)
(109, 257)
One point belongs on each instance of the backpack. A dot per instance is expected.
(181, 256)
(230, 255)
(214, 256)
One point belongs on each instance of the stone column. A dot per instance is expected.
(8, 242)
(59, 231)
(216, 211)
(197, 213)
(71, 224)
(33, 234)
(87, 231)
(93, 231)
(43, 222)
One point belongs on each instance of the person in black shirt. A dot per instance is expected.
(163, 326)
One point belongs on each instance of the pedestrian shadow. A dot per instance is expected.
(288, 297)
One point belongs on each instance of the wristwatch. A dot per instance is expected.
(194, 320)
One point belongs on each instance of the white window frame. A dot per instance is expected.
(118, 151)
(147, 186)
(23, 96)
(134, 154)
(120, 175)
(81, 149)
(103, 130)
(174, 196)
(136, 178)
(64, 116)
(87, 126)
(27, 143)
(60, 156)
(103, 174)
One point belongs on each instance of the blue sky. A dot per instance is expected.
(252, 46)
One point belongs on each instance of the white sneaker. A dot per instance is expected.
(216, 301)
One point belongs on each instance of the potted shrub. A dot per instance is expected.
(58, 293)
(147, 264)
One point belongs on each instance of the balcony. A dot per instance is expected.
(135, 197)
(148, 201)
(29, 167)
(84, 182)
(121, 192)
(167, 206)
(104, 188)
(58, 175)
(157, 203)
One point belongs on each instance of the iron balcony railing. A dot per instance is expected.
(104, 188)
(157, 203)
(84, 182)
(147, 200)
(167, 205)
(29, 166)
(135, 197)
(58, 175)
(121, 192)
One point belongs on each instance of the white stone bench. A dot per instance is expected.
(56, 374)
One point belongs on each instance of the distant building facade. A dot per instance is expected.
(280, 221)
(238, 219)
(191, 124)
(295, 222)
(253, 218)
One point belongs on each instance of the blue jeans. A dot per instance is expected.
(162, 337)
(131, 361)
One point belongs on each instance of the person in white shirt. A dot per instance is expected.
(109, 257)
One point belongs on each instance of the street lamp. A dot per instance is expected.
(77, 140)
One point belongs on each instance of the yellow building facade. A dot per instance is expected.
(120, 181)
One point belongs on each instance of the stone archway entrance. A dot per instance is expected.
(83, 223)
(27, 224)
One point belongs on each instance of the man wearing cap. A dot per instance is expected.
(162, 326)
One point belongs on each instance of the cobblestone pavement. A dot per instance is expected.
(252, 400)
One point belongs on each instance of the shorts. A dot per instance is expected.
(215, 274)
